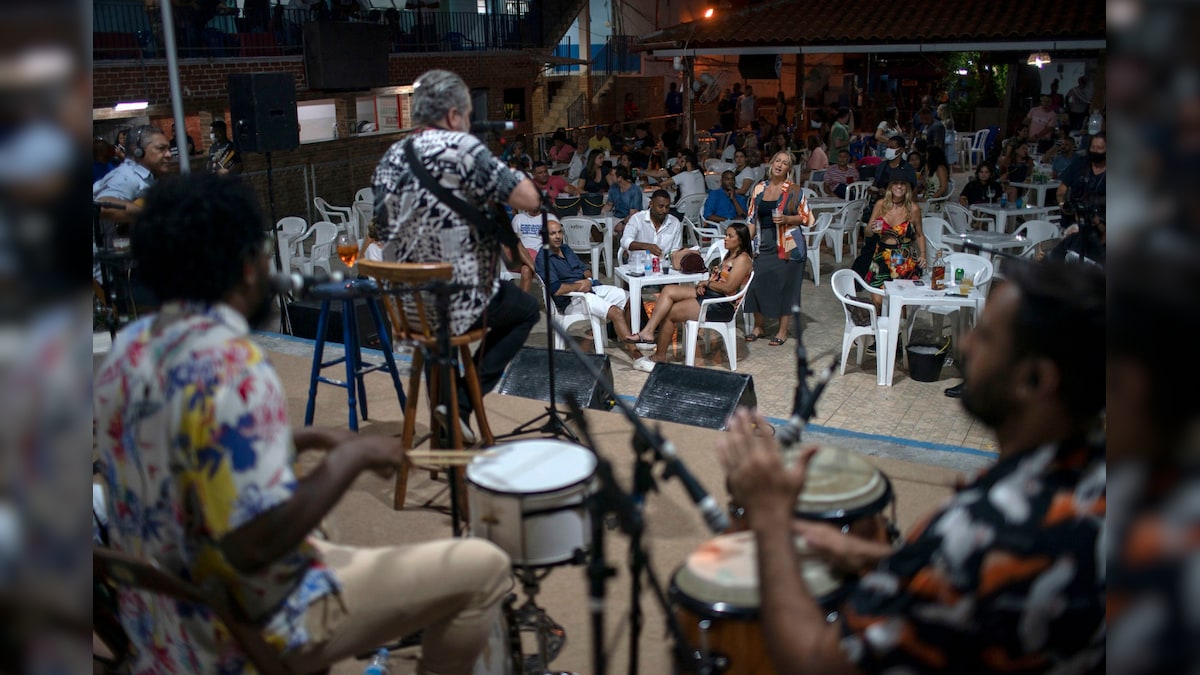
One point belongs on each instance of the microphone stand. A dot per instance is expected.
(805, 401)
(610, 498)
(555, 426)
(445, 363)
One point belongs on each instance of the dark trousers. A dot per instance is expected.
(510, 316)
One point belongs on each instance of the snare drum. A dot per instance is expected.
(530, 499)
(716, 599)
(844, 490)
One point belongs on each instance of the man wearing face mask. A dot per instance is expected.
(893, 168)
(223, 156)
(1081, 195)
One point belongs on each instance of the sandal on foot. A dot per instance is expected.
(751, 337)
(776, 341)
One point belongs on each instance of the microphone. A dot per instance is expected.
(714, 515)
(789, 434)
(483, 127)
(299, 284)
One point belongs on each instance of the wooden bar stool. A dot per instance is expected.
(417, 328)
(348, 292)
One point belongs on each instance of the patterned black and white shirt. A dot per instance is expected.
(419, 228)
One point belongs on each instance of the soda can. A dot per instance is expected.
(655, 265)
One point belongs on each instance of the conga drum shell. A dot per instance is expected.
(717, 600)
(841, 485)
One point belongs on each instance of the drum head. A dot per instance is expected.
(841, 484)
(720, 578)
(531, 467)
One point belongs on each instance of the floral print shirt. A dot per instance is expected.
(193, 440)
(1008, 577)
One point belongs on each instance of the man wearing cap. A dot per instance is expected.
(599, 140)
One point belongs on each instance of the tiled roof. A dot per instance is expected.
(883, 22)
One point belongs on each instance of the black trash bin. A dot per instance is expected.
(925, 362)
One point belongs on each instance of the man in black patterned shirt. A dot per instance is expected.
(419, 227)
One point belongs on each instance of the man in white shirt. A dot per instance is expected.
(653, 229)
(528, 226)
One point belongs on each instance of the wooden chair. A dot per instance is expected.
(417, 329)
(121, 569)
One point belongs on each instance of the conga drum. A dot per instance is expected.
(715, 597)
(844, 490)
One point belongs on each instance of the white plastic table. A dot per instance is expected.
(904, 292)
(1039, 190)
(1000, 215)
(635, 284)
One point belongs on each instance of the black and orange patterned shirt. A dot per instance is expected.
(1007, 578)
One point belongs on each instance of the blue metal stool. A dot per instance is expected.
(347, 292)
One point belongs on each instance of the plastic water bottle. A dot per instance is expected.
(378, 664)
(649, 267)
(1095, 123)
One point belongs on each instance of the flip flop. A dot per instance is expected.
(753, 336)
(635, 339)
(776, 341)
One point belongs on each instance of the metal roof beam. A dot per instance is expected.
(1022, 46)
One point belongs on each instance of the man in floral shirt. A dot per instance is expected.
(1009, 575)
(196, 454)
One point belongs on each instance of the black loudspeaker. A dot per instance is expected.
(305, 313)
(759, 66)
(344, 55)
(263, 109)
(701, 397)
(528, 375)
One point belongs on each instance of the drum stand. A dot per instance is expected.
(529, 617)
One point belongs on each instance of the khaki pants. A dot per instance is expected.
(450, 588)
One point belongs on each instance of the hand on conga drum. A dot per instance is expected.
(845, 552)
(756, 474)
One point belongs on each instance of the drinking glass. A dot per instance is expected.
(347, 249)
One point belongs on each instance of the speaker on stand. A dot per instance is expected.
(526, 377)
(263, 109)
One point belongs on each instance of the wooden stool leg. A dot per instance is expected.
(410, 424)
(476, 395)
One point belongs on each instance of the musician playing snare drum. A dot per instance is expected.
(1005, 577)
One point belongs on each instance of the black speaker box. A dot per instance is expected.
(346, 56)
(528, 375)
(701, 397)
(305, 313)
(263, 108)
(758, 66)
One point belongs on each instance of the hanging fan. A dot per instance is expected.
(712, 86)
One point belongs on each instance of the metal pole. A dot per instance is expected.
(185, 165)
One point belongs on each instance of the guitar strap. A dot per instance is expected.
(483, 225)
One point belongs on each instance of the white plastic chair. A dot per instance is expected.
(727, 329)
(717, 166)
(291, 228)
(861, 321)
(845, 223)
(565, 321)
(978, 147)
(1035, 232)
(935, 229)
(323, 233)
(691, 208)
(812, 242)
(342, 216)
(963, 219)
(366, 194)
(816, 182)
(857, 190)
(709, 231)
(577, 233)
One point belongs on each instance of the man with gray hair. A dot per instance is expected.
(421, 225)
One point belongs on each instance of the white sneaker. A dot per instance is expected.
(644, 364)
(464, 429)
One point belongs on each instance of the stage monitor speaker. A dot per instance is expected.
(340, 55)
(759, 66)
(701, 397)
(263, 108)
(528, 375)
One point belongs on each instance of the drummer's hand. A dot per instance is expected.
(377, 453)
(316, 438)
(757, 477)
(846, 552)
